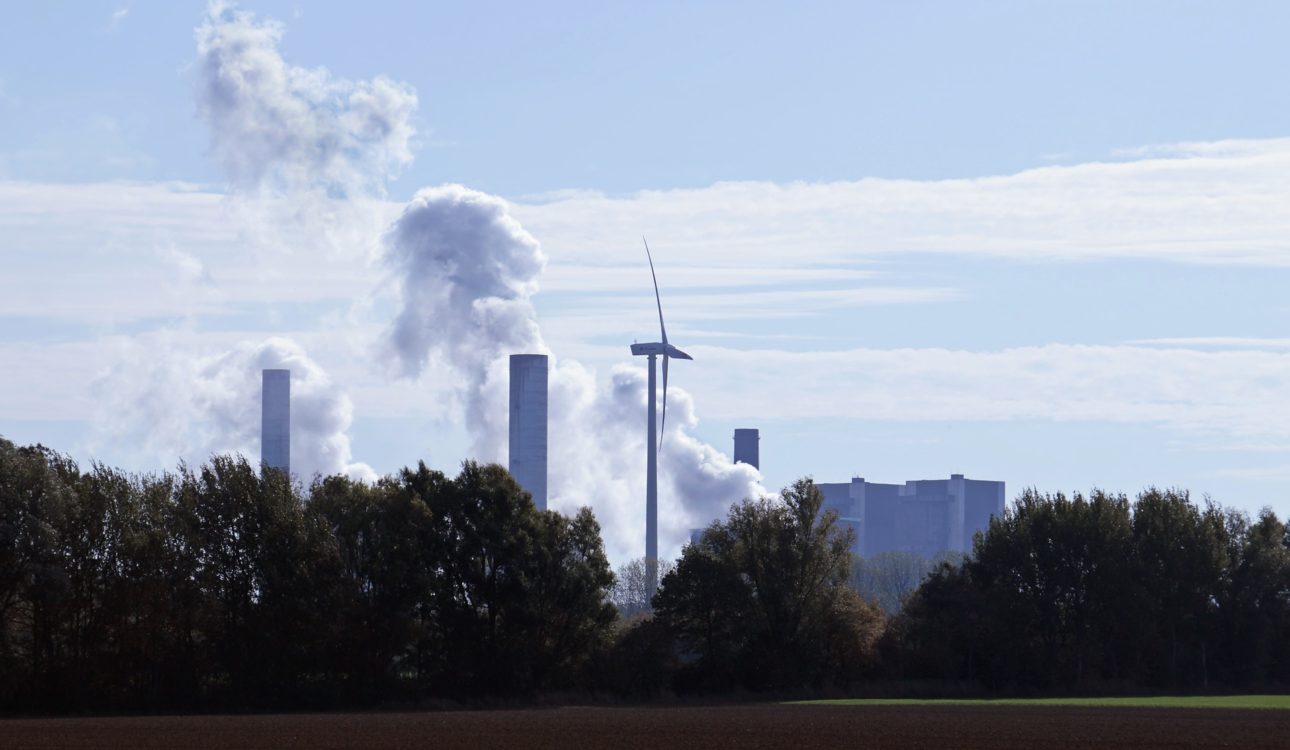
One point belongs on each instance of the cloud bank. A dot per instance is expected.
(1226, 202)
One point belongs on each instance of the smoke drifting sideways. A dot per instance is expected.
(463, 272)
(284, 128)
(597, 455)
(173, 403)
(306, 155)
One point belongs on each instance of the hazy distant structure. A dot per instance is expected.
(653, 439)
(528, 426)
(926, 516)
(746, 447)
(275, 419)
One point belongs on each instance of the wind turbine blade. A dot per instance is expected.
(659, 301)
(663, 421)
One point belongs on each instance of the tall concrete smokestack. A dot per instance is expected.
(746, 447)
(275, 419)
(528, 424)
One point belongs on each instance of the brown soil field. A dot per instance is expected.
(743, 726)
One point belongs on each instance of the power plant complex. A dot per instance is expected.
(925, 517)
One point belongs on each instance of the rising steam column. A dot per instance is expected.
(275, 419)
(528, 429)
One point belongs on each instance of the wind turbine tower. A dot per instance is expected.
(654, 437)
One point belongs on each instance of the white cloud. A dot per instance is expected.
(788, 303)
(1229, 394)
(118, 16)
(588, 279)
(1227, 148)
(1216, 342)
(1228, 208)
(106, 253)
(1226, 204)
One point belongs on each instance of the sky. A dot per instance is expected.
(1042, 243)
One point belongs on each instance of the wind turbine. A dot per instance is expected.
(655, 439)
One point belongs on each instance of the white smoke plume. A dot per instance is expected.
(300, 147)
(597, 458)
(300, 150)
(172, 403)
(466, 271)
(282, 127)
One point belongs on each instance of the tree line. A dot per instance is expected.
(227, 587)
(1063, 592)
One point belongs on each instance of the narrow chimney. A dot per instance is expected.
(275, 420)
(528, 431)
(746, 448)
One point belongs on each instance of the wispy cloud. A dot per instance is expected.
(1222, 149)
(1233, 395)
(1225, 202)
(593, 279)
(118, 16)
(1216, 342)
(766, 304)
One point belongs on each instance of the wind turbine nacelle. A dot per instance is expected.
(660, 349)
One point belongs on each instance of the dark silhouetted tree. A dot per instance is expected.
(763, 599)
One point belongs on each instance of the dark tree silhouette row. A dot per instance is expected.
(225, 587)
(1064, 592)
(222, 587)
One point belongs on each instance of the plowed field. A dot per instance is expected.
(745, 726)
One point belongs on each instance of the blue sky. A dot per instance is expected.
(521, 99)
(1038, 242)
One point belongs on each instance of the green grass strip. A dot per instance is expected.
(1281, 702)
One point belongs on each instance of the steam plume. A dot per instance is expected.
(283, 127)
(174, 403)
(465, 272)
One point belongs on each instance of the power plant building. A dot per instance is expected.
(528, 424)
(275, 419)
(926, 516)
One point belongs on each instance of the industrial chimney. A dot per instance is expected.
(746, 450)
(528, 424)
(275, 420)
